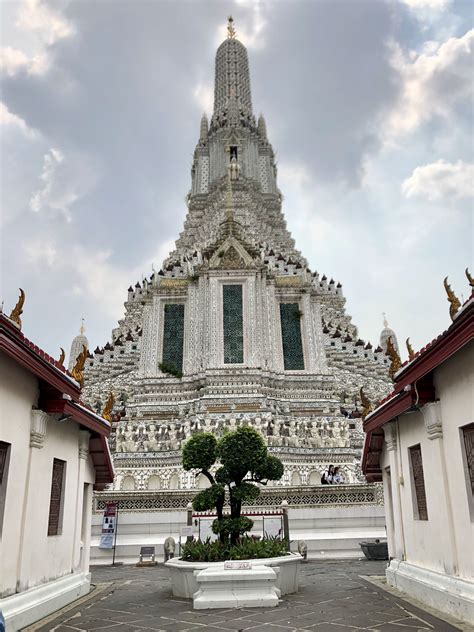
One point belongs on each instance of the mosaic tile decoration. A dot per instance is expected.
(233, 324)
(173, 336)
(293, 357)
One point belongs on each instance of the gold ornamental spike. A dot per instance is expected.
(411, 353)
(470, 278)
(78, 369)
(230, 28)
(106, 413)
(366, 404)
(62, 356)
(17, 311)
(392, 353)
(454, 302)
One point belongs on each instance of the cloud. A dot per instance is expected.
(55, 193)
(440, 180)
(41, 28)
(204, 96)
(8, 119)
(433, 83)
(436, 5)
(39, 18)
(40, 251)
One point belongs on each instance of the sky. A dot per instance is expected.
(368, 106)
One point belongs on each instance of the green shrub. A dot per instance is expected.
(244, 460)
(247, 548)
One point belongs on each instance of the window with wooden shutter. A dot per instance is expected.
(468, 438)
(4, 463)
(421, 512)
(55, 504)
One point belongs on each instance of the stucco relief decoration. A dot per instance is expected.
(38, 427)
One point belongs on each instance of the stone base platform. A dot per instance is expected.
(227, 588)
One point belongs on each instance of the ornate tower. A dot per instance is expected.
(386, 333)
(235, 328)
(76, 346)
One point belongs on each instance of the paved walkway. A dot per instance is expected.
(333, 596)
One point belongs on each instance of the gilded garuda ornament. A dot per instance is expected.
(62, 356)
(392, 353)
(17, 311)
(454, 302)
(366, 404)
(106, 413)
(78, 369)
(470, 278)
(411, 353)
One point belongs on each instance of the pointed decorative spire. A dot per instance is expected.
(262, 127)
(411, 353)
(106, 413)
(17, 311)
(82, 328)
(203, 135)
(78, 369)
(454, 303)
(62, 356)
(231, 34)
(392, 353)
(385, 321)
(470, 278)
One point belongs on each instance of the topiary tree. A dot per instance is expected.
(244, 461)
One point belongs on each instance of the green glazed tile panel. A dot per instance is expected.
(173, 336)
(233, 324)
(291, 336)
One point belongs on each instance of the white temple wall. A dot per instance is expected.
(40, 573)
(433, 559)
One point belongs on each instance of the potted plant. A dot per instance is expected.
(243, 463)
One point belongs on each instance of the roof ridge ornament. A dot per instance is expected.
(396, 363)
(454, 302)
(17, 311)
(231, 34)
(411, 353)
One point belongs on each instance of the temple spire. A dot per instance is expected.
(231, 34)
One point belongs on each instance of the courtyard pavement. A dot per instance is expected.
(333, 596)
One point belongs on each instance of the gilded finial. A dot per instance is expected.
(392, 353)
(78, 369)
(366, 404)
(454, 303)
(411, 353)
(470, 278)
(230, 28)
(62, 356)
(17, 311)
(106, 413)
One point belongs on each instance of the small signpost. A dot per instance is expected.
(108, 538)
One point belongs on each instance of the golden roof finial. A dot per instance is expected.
(106, 413)
(230, 28)
(82, 328)
(62, 356)
(392, 353)
(78, 369)
(17, 311)
(366, 404)
(411, 353)
(454, 303)
(470, 278)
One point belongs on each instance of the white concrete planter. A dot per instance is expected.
(184, 582)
